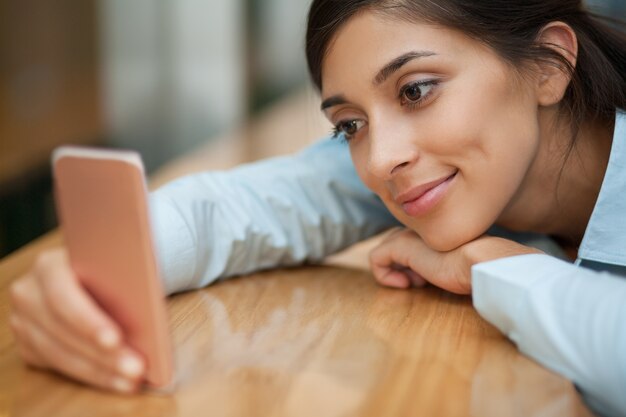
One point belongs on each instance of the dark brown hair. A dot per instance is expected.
(511, 29)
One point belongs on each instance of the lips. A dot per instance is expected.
(421, 199)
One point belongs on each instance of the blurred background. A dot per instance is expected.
(157, 76)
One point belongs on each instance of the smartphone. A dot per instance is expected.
(101, 199)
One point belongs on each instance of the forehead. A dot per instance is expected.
(369, 40)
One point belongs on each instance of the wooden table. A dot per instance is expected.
(311, 341)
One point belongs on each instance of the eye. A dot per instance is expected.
(348, 128)
(414, 93)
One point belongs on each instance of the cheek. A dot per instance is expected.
(499, 142)
(492, 135)
(493, 158)
(485, 109)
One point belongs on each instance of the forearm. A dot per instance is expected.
(282, 211)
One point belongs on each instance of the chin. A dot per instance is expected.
(445, 239)
(446, 231)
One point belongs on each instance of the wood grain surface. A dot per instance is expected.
(312, 341)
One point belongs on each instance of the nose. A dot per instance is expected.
(391, 151)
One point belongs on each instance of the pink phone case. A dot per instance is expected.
(102, 204)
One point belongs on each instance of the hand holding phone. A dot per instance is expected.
(59, 326)
(102, 200)
(97, 312)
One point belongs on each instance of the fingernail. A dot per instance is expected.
(108, 338)
(122, 385)
(130, 366)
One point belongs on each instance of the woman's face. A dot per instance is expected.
(438, 125)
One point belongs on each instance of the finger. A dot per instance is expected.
(25, 351)
(387, 264)
(416, 279)
(425, 264)
(75, 366)
(386, 272)
(392, 278)
(34, 309)
(71, 303)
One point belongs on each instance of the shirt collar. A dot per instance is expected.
(605, 236)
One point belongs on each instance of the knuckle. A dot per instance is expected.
(18, 292)
(59, 301)
(42, 261)
(47, 261)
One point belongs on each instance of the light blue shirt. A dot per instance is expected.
(571, 319)
(301, 208)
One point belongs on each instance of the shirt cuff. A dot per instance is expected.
(500, 287)
(568, 318)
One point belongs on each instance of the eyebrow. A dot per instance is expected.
(333, 101)
(398, 63)
(382, 76)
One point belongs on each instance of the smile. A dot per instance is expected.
(423, 198)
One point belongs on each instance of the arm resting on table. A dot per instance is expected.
(570, 319)
(276, 212)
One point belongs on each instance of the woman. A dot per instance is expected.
(459, 116)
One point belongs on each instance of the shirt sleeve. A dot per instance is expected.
(276, 212)
(570, 319)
